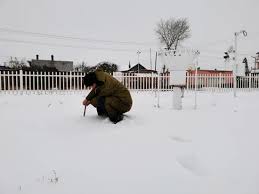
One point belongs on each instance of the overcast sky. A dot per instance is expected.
(114, 30)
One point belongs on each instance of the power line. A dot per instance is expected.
(74, 38)
(211, 56)
(87, 47)
(67, 45)
(62, 37)
(213, 43)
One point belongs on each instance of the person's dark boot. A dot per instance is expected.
(101, 107)
(116, 118)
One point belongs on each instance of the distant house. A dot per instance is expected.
(4, 68)
(64, 66)
(136, 77)
(138, 68)
(255, 70)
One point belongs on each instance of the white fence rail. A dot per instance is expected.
(12, 81)
(222, 83)
(38, 82)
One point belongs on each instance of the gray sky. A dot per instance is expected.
(114, 22)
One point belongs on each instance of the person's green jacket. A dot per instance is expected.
(114, 91)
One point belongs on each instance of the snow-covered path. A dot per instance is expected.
(213, 149)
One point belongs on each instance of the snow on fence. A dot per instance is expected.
(39, 82)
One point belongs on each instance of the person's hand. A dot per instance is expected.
(86, 102)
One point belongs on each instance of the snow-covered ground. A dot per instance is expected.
(48, 147)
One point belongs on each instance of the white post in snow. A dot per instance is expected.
(177, 98)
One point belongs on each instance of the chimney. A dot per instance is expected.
(52, 57)
(37, 57)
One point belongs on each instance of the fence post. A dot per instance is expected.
(33, 81)
(21, 80)
(0, 81)
(187, 79)
(220, 82)
(45, 80)
(63, 80)
(13, 81)
(4, 81)
(49, 81)
(70, 80)
(59, 80)
(250, 79)
(195, 86)
(158, 90)
(152, 82)
(30, 76)
(41, 82)
(8, 81)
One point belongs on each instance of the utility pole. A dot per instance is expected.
(196, 80)
(156, 61)
(235, 60)
(138, 53)
(235, 67)
(150, 60)
(255, 62)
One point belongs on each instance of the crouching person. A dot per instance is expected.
(108, 95)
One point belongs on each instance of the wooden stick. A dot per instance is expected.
(84, 110)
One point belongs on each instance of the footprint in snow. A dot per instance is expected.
(180, 139)
(192, 164)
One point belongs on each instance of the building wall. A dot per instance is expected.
(64, 66)
(207, 77)
(210, 72)
(59, 65)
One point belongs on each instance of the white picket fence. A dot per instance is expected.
(222, 83)
(54, 82)
(39, 82)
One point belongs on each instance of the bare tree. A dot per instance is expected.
(171, 32)
(15, 63)
(107, 66)
(80, 66)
